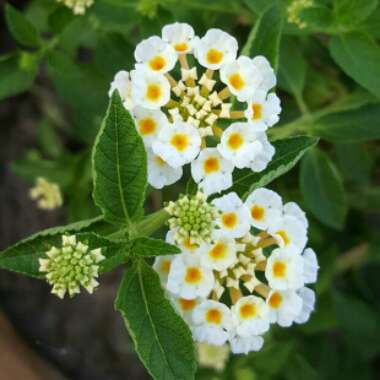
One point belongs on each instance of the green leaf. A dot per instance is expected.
(322, 189)
(21, 28)
(351, 12)
(259, 6)
(119, 166)
(17, 73)
(59, 19)
(359, 57)
(144, 246)
(292, 68)
(288, 152)
(23, 256)
(360, 124)
(161, 338)
(265, 37)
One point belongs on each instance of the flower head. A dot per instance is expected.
(197, 98)
(78, 6)
(47, 194)
(71, 266)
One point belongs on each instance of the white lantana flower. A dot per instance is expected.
(186, 307)
(219, 255)
(290, 233)
(265, 208)
(262, 158)
(250, 315)
(180, 36)
(178, 144)
(263, 110)
(239, 145)
(308, 298)
(188, 278)
(212, 322)
(292, 209)
(155, 55)
(149, 90)
(284, 270)
(186, 245)
(310, 266)
(244, 345)
(160, 174)
(234, 218)
(267, 76)
(211, 171)
(284, 307)
(162, 266)
(122, 83)
(215, 49)
(149, 123)
(241, 77)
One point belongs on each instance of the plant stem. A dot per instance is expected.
(152, 223)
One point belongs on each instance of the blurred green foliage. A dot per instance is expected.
(329, 84)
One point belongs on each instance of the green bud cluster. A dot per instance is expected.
(294, 10)
(70, 266)
(192, 217)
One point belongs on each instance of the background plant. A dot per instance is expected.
(328, 61)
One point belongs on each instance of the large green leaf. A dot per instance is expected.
(351, 12)
(144, 246)
(119, 166)
(21, 28)
(322, 189)
(288, 152)
(359, 124)
(265, 36)
(17, 73)
(359, 57)
(24, 256)
(161, 338)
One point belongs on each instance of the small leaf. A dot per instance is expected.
(144, 246)
(322, 189)
(59, 19)
(292, 68)
(360, 124)
(23, 257)
(351, 12)
(17, 73)
(364, 68)
(161, 338)
(21, 28)
(288, 152)
(265, 36)
(119, 166)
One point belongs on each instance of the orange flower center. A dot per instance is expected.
(275, 300)
(193, 275)
(229, 219)
(147, 126)
(165, 266)
(157, 63)
(180, 141)
(257, 111)
(211, 165)
(214, 316)
(236, 81)
(186, 305)
(279, 269)
(214, 56)
(257, 212)
(284, 236)
(181, 47)
(218, 251)
(235, 141)
(153, 92)
(248, 311)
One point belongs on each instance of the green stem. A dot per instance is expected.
(152, 223)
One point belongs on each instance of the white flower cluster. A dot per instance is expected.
(79, 7)
(253, 273)
(178, 118)
(47, 194)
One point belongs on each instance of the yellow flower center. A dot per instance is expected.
(159, 161)
(211, 165)
(186, 305)
(284, 236)
(248, 311)
(157, 63)
(147, 126)
(279, 269)
(236, 81)
(235, 141)
(257, 212)
(214, 316)
(218, 251)
(153, 92)
(229, 219)
(165, 266)
(257, 111)
(189, 245)
(214, 56)
(181, 47)
(275, 300)
(180, 141)
(193, 275)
